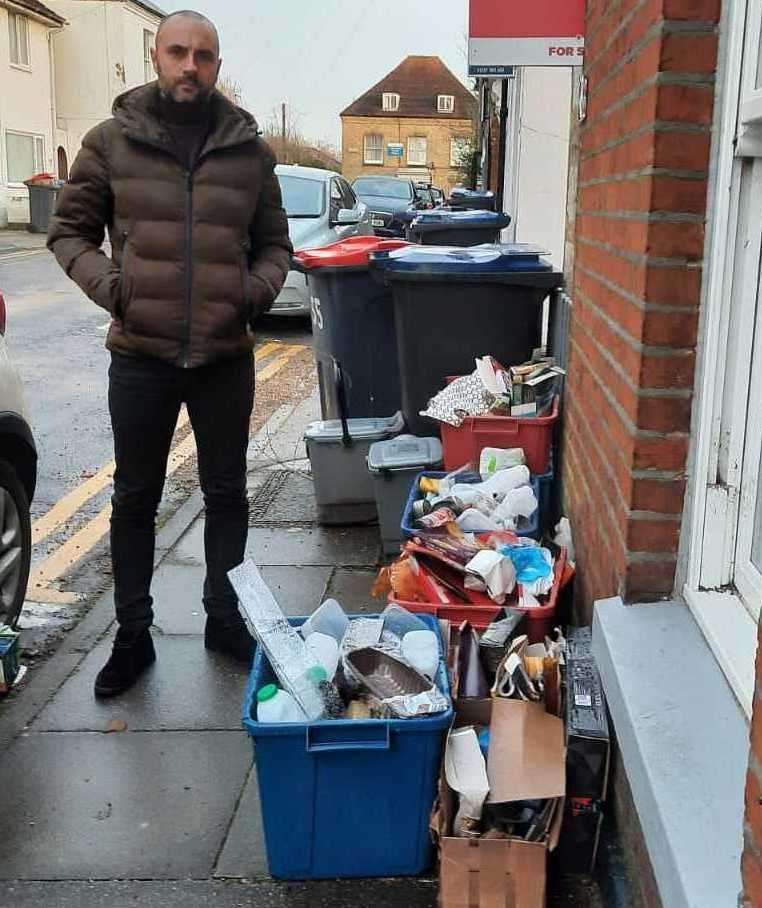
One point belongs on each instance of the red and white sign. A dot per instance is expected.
(507, 33)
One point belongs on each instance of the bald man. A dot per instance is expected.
(185, 186)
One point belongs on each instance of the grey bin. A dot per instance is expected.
(42, 203)
(338, 454)
(393, 465)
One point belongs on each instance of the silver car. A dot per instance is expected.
(322, 209)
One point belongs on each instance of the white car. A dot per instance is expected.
(18, 477)
(322, 208)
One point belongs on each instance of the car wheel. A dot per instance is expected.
(15, 544)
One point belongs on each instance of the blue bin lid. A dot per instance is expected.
(489, 258)
(456, 217)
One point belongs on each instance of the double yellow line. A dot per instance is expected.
(44, 575)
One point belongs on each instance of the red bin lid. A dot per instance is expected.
(350, 253)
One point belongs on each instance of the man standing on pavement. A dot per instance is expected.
(186, 188)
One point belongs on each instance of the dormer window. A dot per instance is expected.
(445, 103)
(390, 101)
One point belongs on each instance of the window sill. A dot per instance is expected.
(373, 163)
(20, 67)
(684, 743)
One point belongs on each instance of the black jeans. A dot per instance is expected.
(145, 396)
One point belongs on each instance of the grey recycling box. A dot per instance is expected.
(338, 454)
(394, 465)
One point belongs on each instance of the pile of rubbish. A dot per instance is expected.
(525, 390)
(334, 667)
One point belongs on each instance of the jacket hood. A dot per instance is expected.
(137, 112)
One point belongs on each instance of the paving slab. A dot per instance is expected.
(177, 605)
(90, 806)
(244, 855)
(187, 688)
(232, 894)
(298, 590)
(352, 590)
(360, 546)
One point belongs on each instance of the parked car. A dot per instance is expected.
(424, 196)
(321, 209)
(387, 197)
(18, 478)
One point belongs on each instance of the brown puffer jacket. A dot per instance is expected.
(194, 255)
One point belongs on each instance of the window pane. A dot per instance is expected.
(302, 198)
(416, 150)
(39, 154)
(756, 545)
(20, 154)
(23, 37)
(147, 45)
(374, 150)
(13, 37)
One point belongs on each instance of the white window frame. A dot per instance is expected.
(148, 42)
(38, 152)
(390, 101)
(445, 104)
(18, 19)
(366, 156)
(726, 389)
(413, 157)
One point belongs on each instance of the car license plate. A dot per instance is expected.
(377, 222)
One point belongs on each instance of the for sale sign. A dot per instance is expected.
(508, 33)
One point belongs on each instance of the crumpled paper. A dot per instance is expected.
(495, 571)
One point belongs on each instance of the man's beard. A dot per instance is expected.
(170, 92)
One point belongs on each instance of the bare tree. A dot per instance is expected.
(230, 88)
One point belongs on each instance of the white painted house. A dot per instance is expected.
(27, 100)
(103, 50)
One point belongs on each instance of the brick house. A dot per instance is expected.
(410, 124)
(662, 432)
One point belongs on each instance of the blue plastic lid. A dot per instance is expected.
(489, 258)
(462, 217)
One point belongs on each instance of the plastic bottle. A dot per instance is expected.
(276, 705)
(325, 649)
(332, 702)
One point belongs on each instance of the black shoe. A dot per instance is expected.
(231, 639)
(125, 665)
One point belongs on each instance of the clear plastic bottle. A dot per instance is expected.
(276, 705)
(332, 702)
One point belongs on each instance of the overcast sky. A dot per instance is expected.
(319, 56)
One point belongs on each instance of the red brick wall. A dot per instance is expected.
(641, 205)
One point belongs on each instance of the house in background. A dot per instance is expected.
(413, 124)
(27, 100)
(104, 50)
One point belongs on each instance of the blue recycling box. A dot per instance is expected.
(346, 798)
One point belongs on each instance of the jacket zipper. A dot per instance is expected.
(188, 264)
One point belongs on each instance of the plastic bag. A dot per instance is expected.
(492, 460)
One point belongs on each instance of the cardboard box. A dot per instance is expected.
(587, 728)
(526, 761)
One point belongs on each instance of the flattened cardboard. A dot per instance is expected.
(527, 756)
(500, 873)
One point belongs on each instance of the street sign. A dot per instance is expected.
(395, 149)
(538, 33)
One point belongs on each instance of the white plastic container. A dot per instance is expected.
(277, 705)
(329, 618)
